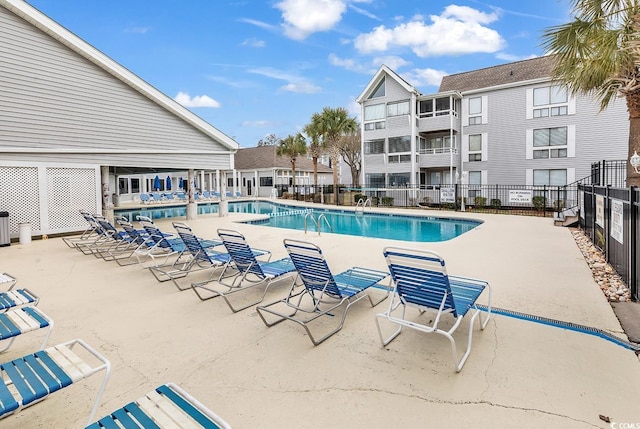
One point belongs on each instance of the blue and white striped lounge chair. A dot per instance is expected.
(137, 245)
(323, 293)
(168, 196)
(36, 376)
(167, 406)
(201, 257)
(420, 280)
(91, 231)
(182, 197)
(19, 321)
(156, 197)
(249, 271)
(145, 198)
(110, 237)
(16, 298)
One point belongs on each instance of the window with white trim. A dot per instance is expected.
(550, 143)
(433, 145)
(379, 91)
(374, 146)
(550, 101)
(396, 159)
(556, 177)
(397, 109)
(475, 147)
(398, 179)
(375, 180)
(374, 117)
(400, 144)
(475, 111)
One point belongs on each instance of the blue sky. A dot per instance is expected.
(253, 68)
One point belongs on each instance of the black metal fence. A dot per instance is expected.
(534, 200)
(610, 217)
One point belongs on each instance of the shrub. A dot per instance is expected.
(558, 205)
(480, 201)
(495, 203)
(448, 206)
(538, 202)
(387, 201)
(426, 201)
(357, 197)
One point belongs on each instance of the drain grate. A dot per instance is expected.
(565, 325)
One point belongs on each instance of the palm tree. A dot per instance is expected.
(292, 147)
(316, 146)
(598, 53)
(332, 124)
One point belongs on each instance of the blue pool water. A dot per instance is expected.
(389, 226)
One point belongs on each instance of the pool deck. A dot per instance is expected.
(520, 373)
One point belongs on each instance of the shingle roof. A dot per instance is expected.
(519, 71)
(260, 157)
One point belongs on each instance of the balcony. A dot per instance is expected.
(439, 122)
(438, 157)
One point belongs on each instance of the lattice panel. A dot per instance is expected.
(69, 190)
(20, 196)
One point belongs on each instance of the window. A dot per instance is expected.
(373, 112)
(550, 143)
(229, 182)
(266, 181)
(475, 111)
(375, 180)
(426, 108)
(123, 185)
(372, 116)
(379, 91)
(395, 159)
(475, 177)
(400, 144)
(398, 179)
(397, 109)
(374, 146)
(434, 145)
(549, 177)
(548, 96)
(442, 106)
(135, 186)
(475, 147)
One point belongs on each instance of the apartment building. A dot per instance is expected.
(508, 124)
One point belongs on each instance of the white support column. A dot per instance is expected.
(256, 186)
(218, 188)
(235, 181)
(192, 206)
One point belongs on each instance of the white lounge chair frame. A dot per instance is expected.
(19, 321)
(421, 281)
(34, 377)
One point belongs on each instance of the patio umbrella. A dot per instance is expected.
(169, 183)
(180, 183)
(156, 183)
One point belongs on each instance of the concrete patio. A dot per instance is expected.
(520, 374)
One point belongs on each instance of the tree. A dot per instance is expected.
(351, 151)
(317, 144)
(598, 54)
(292, 147)
(269, 140)
(332, 124)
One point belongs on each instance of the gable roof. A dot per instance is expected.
(536, 68)
(373, 83)
(36, 18)
(263, 157)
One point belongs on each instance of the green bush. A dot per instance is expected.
(480, 201)
(426, 201)
(495, 203)
(357, 197)
(448, 206)
(558, 205)
(538, 202)
(387, 201)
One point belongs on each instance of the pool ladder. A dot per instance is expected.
(317, 222)
(362, 203)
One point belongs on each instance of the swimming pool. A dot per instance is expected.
(376, 225)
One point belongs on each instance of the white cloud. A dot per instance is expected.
(294, 83)
(391, 61)
(424, 77)
(260, 24)
(458, 30)
(304, 17)
(512, 58)
(257, 124)
(198, 101)
(138, 30)
(254, 43)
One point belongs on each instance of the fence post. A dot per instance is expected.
(455, 204)
(633, 274)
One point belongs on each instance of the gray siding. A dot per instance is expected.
(599, 135)
(53, 98)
